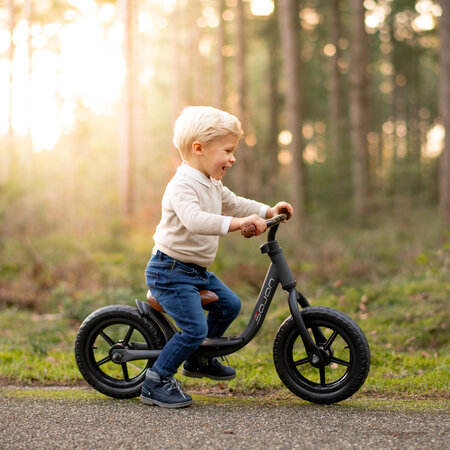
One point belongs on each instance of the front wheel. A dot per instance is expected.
(347, 356)
(116, 326)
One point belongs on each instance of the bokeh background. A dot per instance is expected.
(344, 104)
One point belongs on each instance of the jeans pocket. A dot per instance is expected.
(182, 269)
(151, 279)
(150, 274)
(156, 292)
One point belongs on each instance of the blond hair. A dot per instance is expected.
(203, 124)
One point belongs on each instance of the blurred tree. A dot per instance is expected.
(180, 51)
(196, 67)
(405, 84)
(177, 75)
(273, 46)
(244, 167)
(219, 82)
(7, 153)
(445, 112)
(288, 11)
(128, 142)
(27, 157)
(359, 104)
(336, 113)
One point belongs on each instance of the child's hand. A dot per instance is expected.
(280, 208)
(250, 226)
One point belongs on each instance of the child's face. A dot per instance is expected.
(218, 156)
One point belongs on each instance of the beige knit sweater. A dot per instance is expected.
(196, 210)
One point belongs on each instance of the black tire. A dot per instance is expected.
(108, 326)
(349, 357)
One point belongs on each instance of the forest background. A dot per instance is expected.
(344, 104)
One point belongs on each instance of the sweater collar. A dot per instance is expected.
(190, 172)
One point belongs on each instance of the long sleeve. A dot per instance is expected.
(186, 205)
(236, 206)
(192, 220)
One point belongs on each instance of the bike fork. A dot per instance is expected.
(313, 351)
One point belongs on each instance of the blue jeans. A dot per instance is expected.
(176, 286)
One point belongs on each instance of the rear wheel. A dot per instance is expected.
(346, 356)
(115, 326)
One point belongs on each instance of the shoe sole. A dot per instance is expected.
(150, 401)
(205, 375)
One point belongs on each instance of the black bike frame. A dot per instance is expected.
(278, 273)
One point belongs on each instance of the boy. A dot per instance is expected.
(186, 242)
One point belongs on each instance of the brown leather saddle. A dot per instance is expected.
(205, 296)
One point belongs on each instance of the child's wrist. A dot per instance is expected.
(235, 224)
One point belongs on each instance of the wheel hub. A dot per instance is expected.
(117, 356)
(325, 355)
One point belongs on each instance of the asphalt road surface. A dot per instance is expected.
(97, 423)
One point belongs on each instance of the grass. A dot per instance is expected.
(37, 347)
(392, 277)
(408, 356)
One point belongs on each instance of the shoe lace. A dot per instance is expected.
(224, 359)
(175, 385)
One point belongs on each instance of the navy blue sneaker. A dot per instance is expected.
(165, 392)
(209, 368)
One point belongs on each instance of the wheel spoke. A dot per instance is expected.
(106, 338)
(103, 361)
(128, 336)
(125, 371)
(322, 376)
(340, 361)
(301, 361)
(331, 340)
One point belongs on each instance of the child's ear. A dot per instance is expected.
(197, 148)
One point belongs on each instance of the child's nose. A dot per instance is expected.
(232, 159)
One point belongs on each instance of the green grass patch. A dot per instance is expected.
(37, 347)
(46, 393)
(405, 322)
(391, 276)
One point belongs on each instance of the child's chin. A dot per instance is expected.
(219, 176)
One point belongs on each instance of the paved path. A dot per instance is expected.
(100, 423)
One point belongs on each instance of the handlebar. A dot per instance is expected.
(276, 220)
(249, 230)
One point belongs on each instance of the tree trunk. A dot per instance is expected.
(196, 60)
(219, 85)
(335, 110)
(445, 112)
(176, 80)
(274, 108)
(339, 153)
(128, 135)
(359, 110)
(243, 166)
(6, 153)
(28, 156)
(290, 31)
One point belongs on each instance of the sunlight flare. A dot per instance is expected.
(77, 63)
